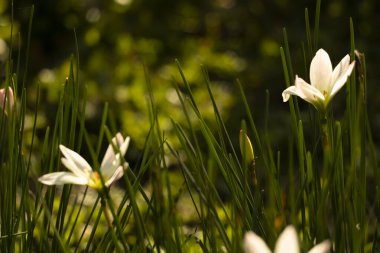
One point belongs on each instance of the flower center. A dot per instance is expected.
(95, 181)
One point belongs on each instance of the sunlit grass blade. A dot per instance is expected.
(316, 23)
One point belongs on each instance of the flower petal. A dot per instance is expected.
(321, 71)
(69, 164)
(124, 146)
(340, 68)
(119, 172)
(254, 244)
(75, 162)
(111, 161)
(323, 247)
(309, 93)
(304, 91)
(292, 90)
(342, 79)
(60, 178)
(288, 241)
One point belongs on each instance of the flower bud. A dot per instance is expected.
(246, 148)
(248, 155)
(6, 100)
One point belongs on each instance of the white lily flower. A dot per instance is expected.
(287, 242)
(325, 82)
(82, 173)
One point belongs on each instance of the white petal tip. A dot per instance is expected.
(288, 241)
(285, 97)
(254, 244)
(323, 247)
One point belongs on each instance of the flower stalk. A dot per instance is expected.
(109, 215)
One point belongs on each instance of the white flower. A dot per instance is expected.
(325, 82)
(6, 99)
(287, 242)
(82, 173)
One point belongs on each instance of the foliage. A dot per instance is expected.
(189, 187)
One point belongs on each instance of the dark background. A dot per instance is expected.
(231, 38)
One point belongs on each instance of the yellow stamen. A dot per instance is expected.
(95, 181)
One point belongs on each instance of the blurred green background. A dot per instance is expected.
(118, 39)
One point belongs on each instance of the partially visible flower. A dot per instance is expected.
(81, 173)
(6, 99)
(287, 242)
(324, 81)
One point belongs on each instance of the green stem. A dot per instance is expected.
(326, 144)
(323, 179)
(109, 219)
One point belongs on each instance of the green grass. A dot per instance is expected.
(200, 195)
